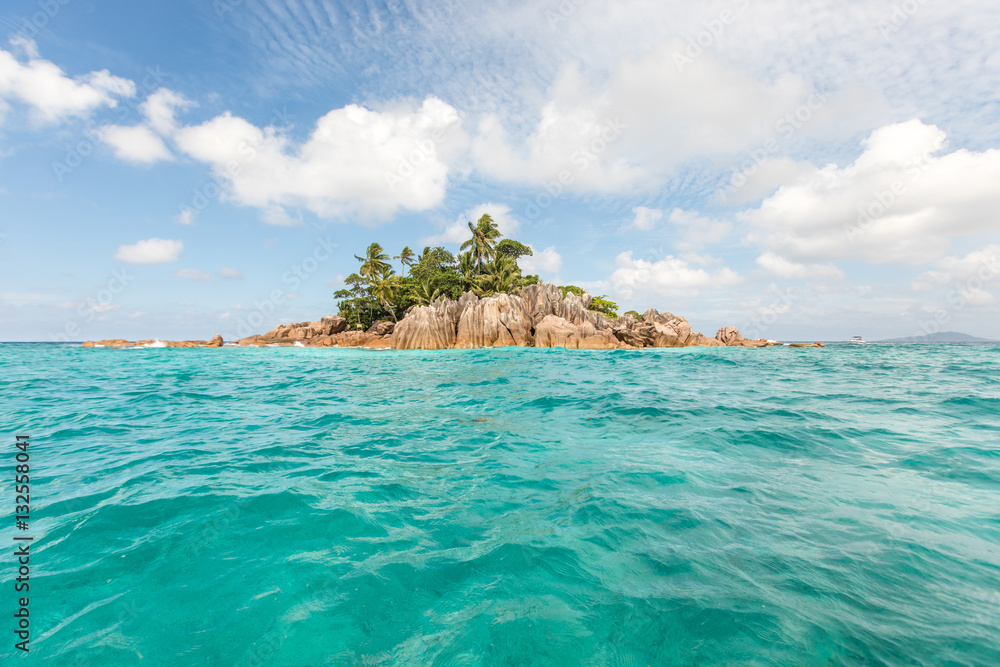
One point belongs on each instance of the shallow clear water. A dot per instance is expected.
(509, 507)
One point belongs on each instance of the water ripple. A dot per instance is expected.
(297, 506)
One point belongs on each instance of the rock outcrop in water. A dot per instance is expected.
(498, 321)
(216, 341)
(330, 331)
(540, 316)
(732, 337)
(303, 331)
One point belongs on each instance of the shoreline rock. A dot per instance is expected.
(216, 341)
(540, 316)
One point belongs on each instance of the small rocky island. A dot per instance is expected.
(540, 316)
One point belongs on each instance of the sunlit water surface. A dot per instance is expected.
(509, 507)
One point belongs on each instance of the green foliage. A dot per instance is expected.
(598, 304)
(384, 288)
(486, 265)
(436, 267)
(570, 289)
(374, 262)
(502, 275)
(513, 249)
(358, 304)
(467, 270)
(405, 259)
(425, 293)
(601, 304)
(633, 313)
(482, 245)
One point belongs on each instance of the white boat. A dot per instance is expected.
(858, 340)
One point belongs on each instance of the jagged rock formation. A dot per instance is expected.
(380, 328)
(537, 317)
(328, 332)
(216, 341)
(499, 321)
(555, 331)
(303, 331)
(732, 337)
(430, 327)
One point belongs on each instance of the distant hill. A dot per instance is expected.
(940, 337)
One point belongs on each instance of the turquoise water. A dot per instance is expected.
(509, 507)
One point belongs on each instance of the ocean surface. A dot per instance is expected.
(702, 506)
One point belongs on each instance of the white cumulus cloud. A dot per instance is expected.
(159, 110)
(51, 94)
(634, 129)
(969, 275)
(645, 218)
(150, 251)
(137, 144)
(900, 201)
(668, 276)
(356, 161)
(546, 262)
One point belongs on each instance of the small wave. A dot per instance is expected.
(510, 506)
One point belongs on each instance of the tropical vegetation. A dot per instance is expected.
(485, 265)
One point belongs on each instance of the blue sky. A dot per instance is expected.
(176, 170)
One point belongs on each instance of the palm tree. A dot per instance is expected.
(374, 263)
(482, 245)
(426, 293)
(502, 275)
(405, 259)
(467, 269)
(384, 289)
